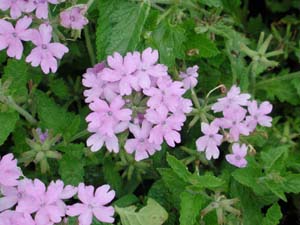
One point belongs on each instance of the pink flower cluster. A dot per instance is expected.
(30, 202)
(134, 93)
(45, 53)
(240, 117)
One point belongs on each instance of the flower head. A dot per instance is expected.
(190, 77)
(93, 204)
(73, 18)
(9, 172)
(237, 158)
(258, 114)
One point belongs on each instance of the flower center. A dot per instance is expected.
(237, 157)
(72, 18)
(14, 34)
(255, 117)
(109, 113)
(210, 136)
(141, 140)
(44, 46)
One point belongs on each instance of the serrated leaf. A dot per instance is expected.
(274, 158)
(71, 166)
(212, 3)
(205, 181)
(292, 183)
(169, 42)
(122, 31)
(151, 214)
(17, 72)
(53, 116)
(8, 121)
(178, 167)
(112, 176)
(201, 46)
(190, 207)
(126, 200)
(273, 215)
(59, 88)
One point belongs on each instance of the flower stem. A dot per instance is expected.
(11, 103)
(89, 45)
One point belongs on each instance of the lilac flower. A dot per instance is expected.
(234, 120)
(140, 143)
(11, 38)
(166, 127)
(105, 118)
(93, 204)
(209, 141)
(42, 8)
(42, 135)
(45, 53)
(167, 93)
(233, 99)
(97, 140)
(73, 18)
(148, 68)
(258, 114)
(15, 218)
(190, 77)
(98, 87)
(237, 158)
(9, 172)
(122, 70)
(47, 204)
(16, 7)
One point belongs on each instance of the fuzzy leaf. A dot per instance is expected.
(8, 121)
(151, 214)
(273, 215)
(178, 167)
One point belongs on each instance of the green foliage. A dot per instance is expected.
(151, 214)
(8, 121)
(273, 215)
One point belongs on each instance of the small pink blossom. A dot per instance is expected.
(237, 158)
(15, 218)
(73, 18)
(97, 140)
(258, 114)
(9, 171)
(93, 204)
(190, 77)
(45, 53)
(233, 99)
(234, 121)
(12, 37)
(210, 141)
(16, 7)
(165, 126)
(105, 118)
(42, 8)
(140, 143)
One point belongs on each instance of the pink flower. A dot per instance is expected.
(166, 127)
(15, 218)
(16, 7)
(93, 204)
(98, 87)
(140, 144)
(122, 70)
(9, 172)
(107, 118)
(209, 141)
(234, 120)
(258, 114)
(190, 77)
(97, 140)
(148, 68)
(73, 18)
(45, 53)
(232, 99)
(11, 38)
(237, 158)
(167, 93)
(47, 204)
(42, 8)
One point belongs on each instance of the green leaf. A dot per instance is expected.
(71, 166)
(126, 200)
(201, 46)
(190, 207)
(273, 215)
(151, 214)
(292, 183)
(205, 181)
(8, 121)
(168, 39)
(212, 3)
(59, 88)
(112, 176)
(17, 72)
(178, 167)
(123, 31)
(274, 158)
(53, 116)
